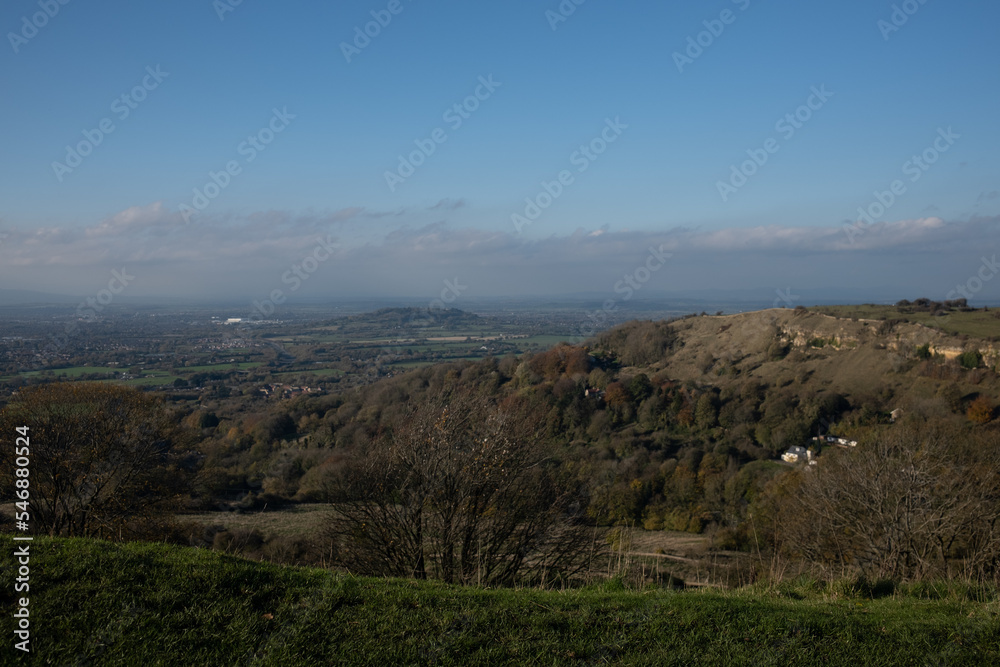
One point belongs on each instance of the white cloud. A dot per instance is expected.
(248, 254)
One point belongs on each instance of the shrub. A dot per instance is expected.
(971, 359)
(981, 410)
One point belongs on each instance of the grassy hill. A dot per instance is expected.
(815, 351)
(97, 603)
(982, 323)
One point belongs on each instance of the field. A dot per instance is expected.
(293, 521)
(219, 367)
(71, 373)
(979, 324)
(310, 349)
(126, 604)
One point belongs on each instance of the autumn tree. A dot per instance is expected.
(980, 410)
(102, 458)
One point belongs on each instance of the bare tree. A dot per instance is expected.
(463, 491)
(912, 503)
(100, 457)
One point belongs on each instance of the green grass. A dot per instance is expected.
(72, 373)
(318, 372)
(978, 324)
(153, 380)
(243, 366)
(145, 604)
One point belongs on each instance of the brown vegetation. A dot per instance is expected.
(103, 461)
(462, 490)
(914, 502)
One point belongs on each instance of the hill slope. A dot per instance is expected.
(817, 351)
(126, 604)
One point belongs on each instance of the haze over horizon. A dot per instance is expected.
(231, 150)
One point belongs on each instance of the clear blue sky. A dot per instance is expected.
(325, 172)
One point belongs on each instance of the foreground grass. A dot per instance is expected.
(96, 603)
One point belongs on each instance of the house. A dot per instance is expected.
(798, 454)
(834, 440)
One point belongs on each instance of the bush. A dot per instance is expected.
(981, 410)
(104, 458)
(971, 359)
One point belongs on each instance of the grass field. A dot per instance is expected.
(71, 373)
(152, 378)
(978, 324)
(318, 372)
(155, 379)
(146, 604)
(243, 366)
(303, 519)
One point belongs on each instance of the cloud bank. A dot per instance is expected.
(243, 256)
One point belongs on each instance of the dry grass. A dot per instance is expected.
(305, 520)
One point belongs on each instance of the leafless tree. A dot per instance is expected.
(911, 503)
(100, 458)
(462, 491)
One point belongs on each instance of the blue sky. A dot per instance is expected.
(557, 83)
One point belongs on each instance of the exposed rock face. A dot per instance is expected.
(746, 344)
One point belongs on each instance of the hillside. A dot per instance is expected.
(674, 426)
(407, 318)
(848, 355)
(651, 430)
(126, 604)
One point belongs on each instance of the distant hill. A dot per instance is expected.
(414, 318)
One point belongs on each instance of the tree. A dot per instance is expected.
(971, 359)
(706, 411)
(915, 502)
(102, 458)
(460, 490)
(640, 387)
(980, 410)
(638, 343)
